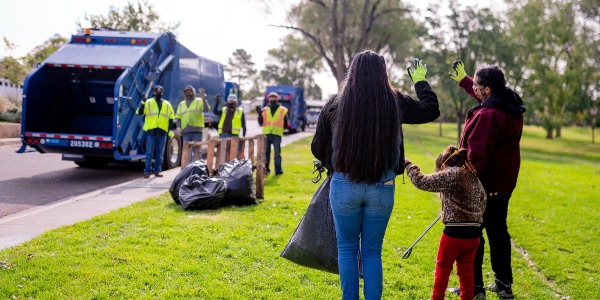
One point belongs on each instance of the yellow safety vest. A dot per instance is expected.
(273, 124)
(236, 123)
(156, 119)
(192, 115)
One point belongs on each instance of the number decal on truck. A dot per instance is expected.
(81, 144)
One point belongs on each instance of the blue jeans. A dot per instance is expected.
(361, 213)
(155, 148)
(192, 137)
(274, 140)
(227, 135)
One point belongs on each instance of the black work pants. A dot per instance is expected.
(494, 222)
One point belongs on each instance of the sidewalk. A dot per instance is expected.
(28, 224)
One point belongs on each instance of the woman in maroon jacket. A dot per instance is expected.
(492, 134)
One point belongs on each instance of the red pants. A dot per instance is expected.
(463, 252)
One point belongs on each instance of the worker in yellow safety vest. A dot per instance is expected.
(190, 116)
(158, 124)
(273, 120)
(232, 117)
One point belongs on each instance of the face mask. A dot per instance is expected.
(157, 97)
(231, 106)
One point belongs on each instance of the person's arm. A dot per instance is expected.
(464, 81)
(467, 85)
(243, 124)
(216, 109)
(260, 117)
(436, 182)
(321, 142)
(140, 110)
(424, 110)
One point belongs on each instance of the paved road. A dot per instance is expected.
(32, 179)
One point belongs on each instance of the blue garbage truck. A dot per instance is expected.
(81, 101)
(292, 98)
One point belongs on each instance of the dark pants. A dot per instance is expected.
(274, 140)
(494, 222)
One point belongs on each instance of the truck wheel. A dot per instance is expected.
(172, 153)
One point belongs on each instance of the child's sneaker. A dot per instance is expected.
(503, 291)
(479, 292)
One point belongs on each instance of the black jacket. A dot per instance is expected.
(424, 110)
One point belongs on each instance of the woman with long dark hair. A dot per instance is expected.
(359, 139)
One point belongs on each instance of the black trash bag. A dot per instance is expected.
(313, 243)
(202, 192)
(240, 182)
(197, 167)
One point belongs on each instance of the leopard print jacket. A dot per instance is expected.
(462, 195)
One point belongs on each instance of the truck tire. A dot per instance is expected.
(172, 153)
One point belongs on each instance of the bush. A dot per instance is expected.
(12, 115)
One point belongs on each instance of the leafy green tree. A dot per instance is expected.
(240, 68)
(474, 35)
(132, 17)
(560, 51)
(294, 64)
(10, 67)
(41, 52)
(335, 30)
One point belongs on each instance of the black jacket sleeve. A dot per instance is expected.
(424, 110)
(217, 111)
(141, 108)
(243, 124)
(321, 146)
(260, 118)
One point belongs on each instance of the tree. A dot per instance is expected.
(294, 64)
(133, 17)
(560, 51)
(336, 30)
(41, 52)
(10, 67)
(472, 34)
(240, 68)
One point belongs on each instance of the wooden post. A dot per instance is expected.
(242, 148)
(233, 150)
(210, 155)
(260, 167)
(185, 155)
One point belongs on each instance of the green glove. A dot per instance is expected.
(420, 71)
(171, 134)
(459, 68)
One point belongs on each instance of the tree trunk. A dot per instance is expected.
(548, 132)
(441, 121)
(459, 121)
(558, 132)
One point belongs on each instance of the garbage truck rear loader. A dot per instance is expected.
(82, 100)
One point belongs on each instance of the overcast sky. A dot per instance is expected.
(210, 28)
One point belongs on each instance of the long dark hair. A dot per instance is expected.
(367, 122)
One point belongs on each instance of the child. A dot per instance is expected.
(463, 202)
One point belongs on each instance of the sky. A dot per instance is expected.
(210, 28)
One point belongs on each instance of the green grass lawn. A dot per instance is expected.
(155, 250)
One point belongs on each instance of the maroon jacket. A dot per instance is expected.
(492, 134)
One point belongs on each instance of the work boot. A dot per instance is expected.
(158, 175)
(504, 291)
(147, 175)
